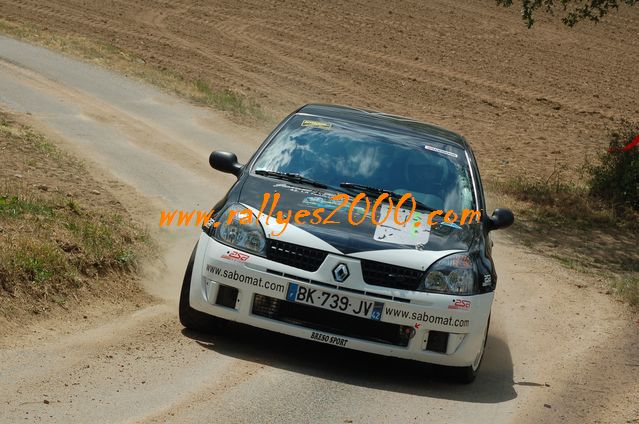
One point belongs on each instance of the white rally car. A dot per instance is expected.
(340, 230)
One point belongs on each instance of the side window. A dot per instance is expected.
(458, 189)
(465, 189)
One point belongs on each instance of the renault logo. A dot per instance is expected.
(340, 273)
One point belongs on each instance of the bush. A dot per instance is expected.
(616, 177)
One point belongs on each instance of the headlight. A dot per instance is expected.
(454, 274)
(248, 236)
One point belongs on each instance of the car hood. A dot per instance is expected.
(436, 241)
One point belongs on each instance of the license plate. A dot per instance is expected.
(333, 301)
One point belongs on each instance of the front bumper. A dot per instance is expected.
(427, 327)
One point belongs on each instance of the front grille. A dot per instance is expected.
(375, 273)
(329, 321)
(294, 255)
(393, 276)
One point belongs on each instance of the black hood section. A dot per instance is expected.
(344, 236)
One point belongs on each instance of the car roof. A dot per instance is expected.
(385, 121)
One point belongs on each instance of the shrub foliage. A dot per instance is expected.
(616, 177)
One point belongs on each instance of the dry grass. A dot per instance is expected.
(57, 242)
(50, 243)
(228, 100)
(239, 107)
(558, 218)
(628, 288)
(555, 202)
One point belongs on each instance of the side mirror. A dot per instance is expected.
(501, 218)
(225, 162)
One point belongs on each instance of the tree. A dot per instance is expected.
(576, 10)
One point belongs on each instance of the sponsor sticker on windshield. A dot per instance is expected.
(316, 124)
(408, 233)
(443, 152)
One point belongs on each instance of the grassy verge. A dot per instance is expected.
(560, 219)
(228, 100)
(239, 107)
(62, 235)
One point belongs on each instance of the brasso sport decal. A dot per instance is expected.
(320, 337)
(233, 275)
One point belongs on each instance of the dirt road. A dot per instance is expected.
(558, 348)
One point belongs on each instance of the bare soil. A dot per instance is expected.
(530, 101)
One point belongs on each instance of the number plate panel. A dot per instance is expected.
(335, 302)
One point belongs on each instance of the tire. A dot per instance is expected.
(467, 375)
(189, 317)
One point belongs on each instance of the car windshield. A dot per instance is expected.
(334, 152)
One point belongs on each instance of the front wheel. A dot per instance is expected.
(468, 374)
(189, 317)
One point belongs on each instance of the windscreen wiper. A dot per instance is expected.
(375, 190)
(292, 177)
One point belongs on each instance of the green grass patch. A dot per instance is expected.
(40, 143)
(53, 242)
(227, 100)
(36, 262)
(16, 206)
(62, 238)
(628, 288)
